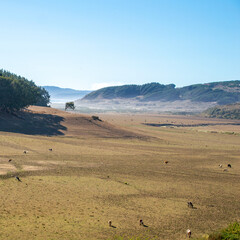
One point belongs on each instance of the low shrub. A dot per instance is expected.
(232, 232)
(96, 118)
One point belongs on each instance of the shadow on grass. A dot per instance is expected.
(32, 123)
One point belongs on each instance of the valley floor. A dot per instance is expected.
(115, 170)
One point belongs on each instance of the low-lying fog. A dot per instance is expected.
(126, 105)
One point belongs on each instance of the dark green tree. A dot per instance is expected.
(17, 93)
(44, 97)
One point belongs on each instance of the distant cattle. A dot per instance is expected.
(229, 165)
(9, 160)
(188, 233)
(190, 204)
(18, 179)
(50, 149)
(25, 152)
(166, 162)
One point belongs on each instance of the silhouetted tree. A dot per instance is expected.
(69, 105)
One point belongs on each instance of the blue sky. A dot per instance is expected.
(88, 44)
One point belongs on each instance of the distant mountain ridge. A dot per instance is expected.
(65, 94)
(221, 92)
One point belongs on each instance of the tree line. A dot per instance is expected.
(17, 92)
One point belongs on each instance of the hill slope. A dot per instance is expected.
(65, 94)
(220, 92)
(231, 111)
(49, 122)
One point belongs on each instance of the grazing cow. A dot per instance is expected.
(50, 149)
(110, 223)
(141, 222)
(220, 165)
(189, 233)
(166, 162)
(190, 204)
(18, 179)
(25, 152)
(9, 160)
(229, 165)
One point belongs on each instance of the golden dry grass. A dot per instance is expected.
(88, 179)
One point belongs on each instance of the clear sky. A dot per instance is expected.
(88, 44)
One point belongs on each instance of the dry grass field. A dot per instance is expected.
(114, 170)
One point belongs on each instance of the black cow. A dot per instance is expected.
(190, 204)
(18, 179)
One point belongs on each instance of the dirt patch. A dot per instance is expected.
(51, 162)
(70, 163)
(5, 168)
(32, 168)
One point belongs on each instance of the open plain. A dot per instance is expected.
(124, 168)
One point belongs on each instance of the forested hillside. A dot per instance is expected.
(147, 91)
(220, 92)
(231, 111)
(17, 92)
